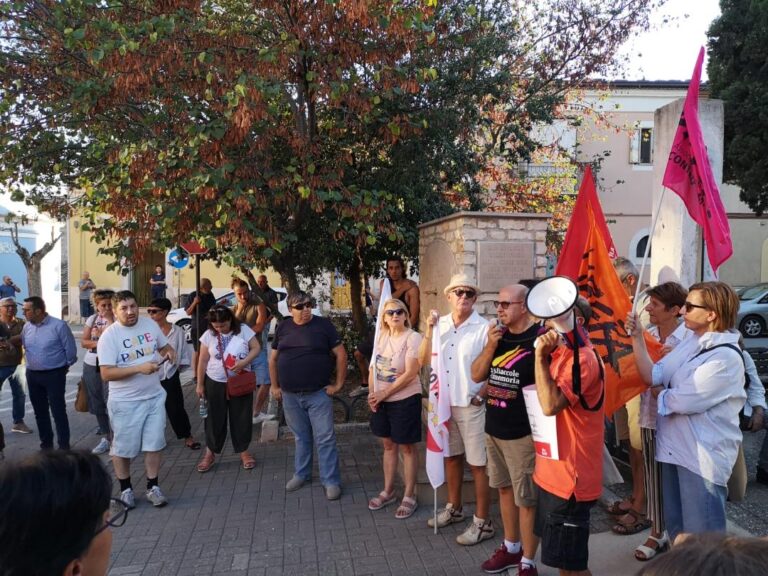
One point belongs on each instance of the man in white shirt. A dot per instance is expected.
(131, 352)
(463, 334)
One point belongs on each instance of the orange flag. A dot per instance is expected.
(599, 283)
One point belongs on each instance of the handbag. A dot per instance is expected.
(240, 384)
(81, 400)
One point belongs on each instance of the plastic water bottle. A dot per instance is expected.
(203, 408)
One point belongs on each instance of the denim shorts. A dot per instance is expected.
(137, 425)
(563, 526)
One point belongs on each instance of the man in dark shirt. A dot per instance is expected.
(300, 366)
(197, 307)
(507, 361)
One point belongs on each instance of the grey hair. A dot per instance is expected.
(297, 298)
(624, 268)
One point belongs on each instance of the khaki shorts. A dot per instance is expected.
(466, 433)
(627, 419)
(511, 463)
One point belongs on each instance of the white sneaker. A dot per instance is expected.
(128, 498)
(359, 391)
(447, 515)
(476, 532)
(102, 447)
(156, 497)
(260, 417)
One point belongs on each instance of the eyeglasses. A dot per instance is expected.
(301, 306)
(505, 305)
(394, 312)
(689, 305)
(154, 310)
(469, 294)
(118, 514)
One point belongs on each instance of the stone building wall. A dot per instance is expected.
(493, 249)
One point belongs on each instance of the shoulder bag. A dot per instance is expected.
(240, 384)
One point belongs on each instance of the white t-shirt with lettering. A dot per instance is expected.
(124, 346)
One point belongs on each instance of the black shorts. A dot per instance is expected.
(563, 526)
(365, 347)
(399, 420)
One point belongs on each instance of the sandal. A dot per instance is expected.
(639, 523)
(644, 552)
(192, 444)
(249, 462)
(206, 462)
(407, 508)
(616, 509)
(382, 500)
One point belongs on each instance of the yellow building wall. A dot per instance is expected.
(83, 256)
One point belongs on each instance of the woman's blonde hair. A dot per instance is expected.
(720, 298)
(401, 305)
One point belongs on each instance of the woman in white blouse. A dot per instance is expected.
(394, 395)
(699, 388)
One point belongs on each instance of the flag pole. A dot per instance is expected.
(654, 221)
(434, 509)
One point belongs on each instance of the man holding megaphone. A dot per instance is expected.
(569, 385)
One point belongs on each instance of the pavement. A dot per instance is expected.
(230, 521)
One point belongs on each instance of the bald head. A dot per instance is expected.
(511, 310)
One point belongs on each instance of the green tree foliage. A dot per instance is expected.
(738, 52)
(302, 135)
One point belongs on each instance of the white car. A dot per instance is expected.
(180, 317)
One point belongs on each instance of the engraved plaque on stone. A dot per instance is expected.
(503, 263)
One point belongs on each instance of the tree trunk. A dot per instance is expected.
(354, 273)
(33, 262)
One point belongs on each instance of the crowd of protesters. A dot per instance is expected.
(686, 459)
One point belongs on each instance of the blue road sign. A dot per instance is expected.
(178, 258)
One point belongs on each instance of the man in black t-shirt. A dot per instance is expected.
(304, 352)
(507, 361)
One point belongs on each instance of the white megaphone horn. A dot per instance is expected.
(553, 299)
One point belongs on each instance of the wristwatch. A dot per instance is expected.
(477, 400)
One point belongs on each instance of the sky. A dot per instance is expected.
(669, 52)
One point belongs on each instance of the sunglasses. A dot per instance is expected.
(505, 305)
(118, 514)
(154, 310)
(394, 312)
(691, 306)
(301, 306)
(464, 293)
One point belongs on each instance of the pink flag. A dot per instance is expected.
(438, 413)
(689, 174)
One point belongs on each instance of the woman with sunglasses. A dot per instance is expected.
(226, 348)
(97, 390)
(56, 515)
(699, 390)
(394, 395)
(169, 372)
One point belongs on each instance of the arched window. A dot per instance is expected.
(640, 248)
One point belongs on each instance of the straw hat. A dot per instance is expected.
(460, 281)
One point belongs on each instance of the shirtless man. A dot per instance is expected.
(403, 288)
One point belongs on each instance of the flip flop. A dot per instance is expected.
(382, 500)
(248, 461)
(639, 523)
(407, 508)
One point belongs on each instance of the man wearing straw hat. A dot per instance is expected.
(463, 334)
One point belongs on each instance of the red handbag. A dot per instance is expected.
(240, 384)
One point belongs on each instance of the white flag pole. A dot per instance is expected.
(647, 249)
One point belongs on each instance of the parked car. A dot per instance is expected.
(180, 317)
(753, 310)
